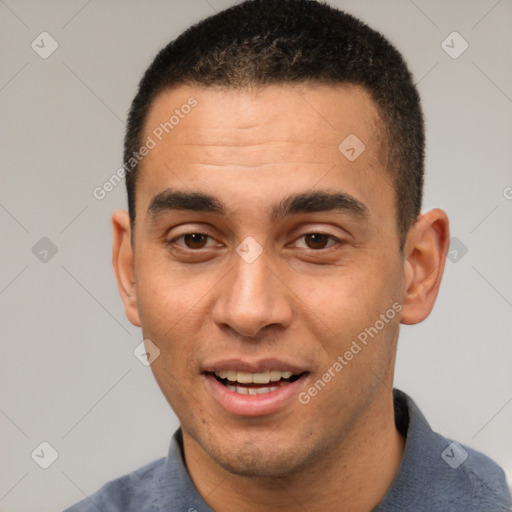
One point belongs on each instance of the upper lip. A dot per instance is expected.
(263, 365)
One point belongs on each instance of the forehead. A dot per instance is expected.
(266, 138)
(323, 114)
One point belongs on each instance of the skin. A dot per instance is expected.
(303, 300)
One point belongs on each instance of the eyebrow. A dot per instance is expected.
(305, 202)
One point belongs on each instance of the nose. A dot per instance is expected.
(252, 298)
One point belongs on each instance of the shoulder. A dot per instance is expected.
(438, 473)
(484, 482)
(131, 492)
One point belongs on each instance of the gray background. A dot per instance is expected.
(68, 375)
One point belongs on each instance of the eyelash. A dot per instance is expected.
(172, 242)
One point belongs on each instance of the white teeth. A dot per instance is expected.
(275, 375)
(244, 377)
(253, 378)
(261, 378)
(253, 391)
(230, 375)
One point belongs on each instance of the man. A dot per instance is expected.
(273, 245)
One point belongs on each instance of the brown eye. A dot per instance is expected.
(316, 240)
(195, 240)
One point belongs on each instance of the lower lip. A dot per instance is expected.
(253, 405)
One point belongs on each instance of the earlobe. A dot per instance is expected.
(424, 260)
(123, 261)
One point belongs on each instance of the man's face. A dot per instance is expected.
(268, 283)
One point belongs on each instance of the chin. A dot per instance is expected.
(267, 461)
(271, 466)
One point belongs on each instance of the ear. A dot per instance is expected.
(123, 260)
(425, 252)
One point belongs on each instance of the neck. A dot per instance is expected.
(354, 476)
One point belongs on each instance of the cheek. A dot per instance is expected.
(343, 298)
(346, 306)
(166, 293)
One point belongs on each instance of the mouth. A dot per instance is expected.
(250, 390)
(246, 383)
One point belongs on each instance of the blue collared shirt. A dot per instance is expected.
(436, 475)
